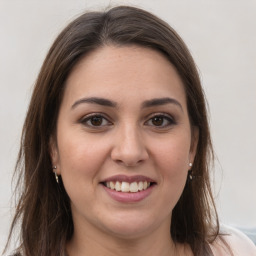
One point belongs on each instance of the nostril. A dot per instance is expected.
(129, 151)
(128, 163)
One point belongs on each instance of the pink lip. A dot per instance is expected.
(128, 179)
(128, 197)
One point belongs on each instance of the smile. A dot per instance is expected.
(123, 186)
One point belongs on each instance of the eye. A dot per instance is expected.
(95, 120)
(161, 121)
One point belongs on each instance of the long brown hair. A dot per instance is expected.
(43, 208)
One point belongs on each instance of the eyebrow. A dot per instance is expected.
(95, 100)
(109, 103)
(160, 102)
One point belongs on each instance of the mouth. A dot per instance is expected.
(123, 186)
(128, 184)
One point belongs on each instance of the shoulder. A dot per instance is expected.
(237, 241)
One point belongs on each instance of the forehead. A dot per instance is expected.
(124, 72)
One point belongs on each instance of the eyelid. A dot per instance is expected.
(169, 117)
(148, 118)
(87, 117)
(164, 114)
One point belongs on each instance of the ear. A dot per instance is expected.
(54, 153)
(194, 142)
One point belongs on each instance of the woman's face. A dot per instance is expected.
(124, 141)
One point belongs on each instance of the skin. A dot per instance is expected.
(128, 141)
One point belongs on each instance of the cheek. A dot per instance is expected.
(174, 169)
(80, 159)
(80, 162)
(172, 162)
(173, 155)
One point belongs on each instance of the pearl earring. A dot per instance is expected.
(56, 176)
(190, 176)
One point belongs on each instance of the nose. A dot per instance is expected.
(129, 147)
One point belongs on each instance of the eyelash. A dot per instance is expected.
(165, 118)
(89, 118)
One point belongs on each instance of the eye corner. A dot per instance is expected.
(160, 121)
(95, 121)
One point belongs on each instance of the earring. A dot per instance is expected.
(190, 175)
(56, 175)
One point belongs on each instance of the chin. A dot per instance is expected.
(132, 227)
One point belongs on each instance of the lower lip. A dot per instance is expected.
(129, 197)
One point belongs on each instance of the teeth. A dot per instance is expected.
(134, 187)
(125, 187)
(128, 187)
(112, 185)
(118, 186)
(140, 187)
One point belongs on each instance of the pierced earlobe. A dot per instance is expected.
(190, 175)
(56, 175)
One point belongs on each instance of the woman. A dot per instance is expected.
(116, 146)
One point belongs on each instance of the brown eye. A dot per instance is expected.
(161, 121)
(96, 120)
(157, 120)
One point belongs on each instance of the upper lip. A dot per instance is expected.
(129, 179)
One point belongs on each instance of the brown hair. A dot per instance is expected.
(44, 207)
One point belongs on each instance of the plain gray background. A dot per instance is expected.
(221, 35)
